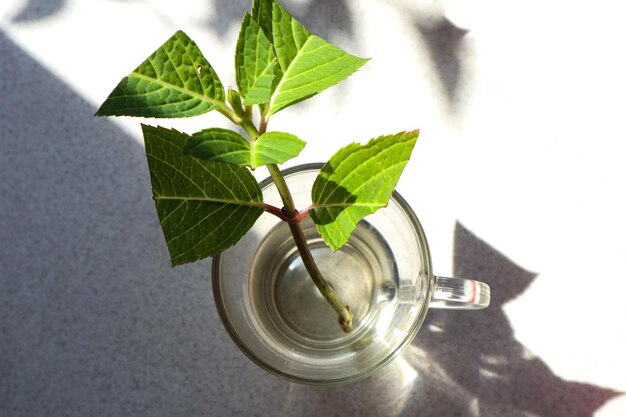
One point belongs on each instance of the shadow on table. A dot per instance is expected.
(477, 364)
(34, 10)
(464, 363)
(322, 17)
(93, 320)
(448, 53)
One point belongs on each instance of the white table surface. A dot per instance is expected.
(518, 179)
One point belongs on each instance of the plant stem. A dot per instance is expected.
(344, 314)
(263, 123)
(293, 218)
(343, 311)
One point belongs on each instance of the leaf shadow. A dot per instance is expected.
(322, 17)
(447, 51)
(35, 10)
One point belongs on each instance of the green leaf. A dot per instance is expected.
(288, 35)
(262, 11)
(308, 64)
(317, 66)
(204, 207)
(275, 148)
(216, 144)
(261, 90)
(224, 145)
(357, 181)
(175, 81)
(254, 63)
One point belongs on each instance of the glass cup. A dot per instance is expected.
(275, 314)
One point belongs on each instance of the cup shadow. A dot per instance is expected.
(464, 363)
(478, 353)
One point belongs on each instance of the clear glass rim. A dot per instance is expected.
(419, 319)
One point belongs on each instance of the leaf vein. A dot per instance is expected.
(165, 84)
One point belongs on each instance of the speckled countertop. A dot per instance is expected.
(517, 179)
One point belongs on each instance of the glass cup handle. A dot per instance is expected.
(460, 293)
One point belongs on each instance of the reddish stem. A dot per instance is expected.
(275, 211)
(298, 216)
